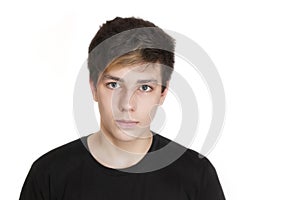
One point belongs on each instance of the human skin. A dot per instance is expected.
(127, 98)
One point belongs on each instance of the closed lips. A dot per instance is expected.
(127, 121)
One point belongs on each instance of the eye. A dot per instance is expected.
(145, 88)
(112, 85)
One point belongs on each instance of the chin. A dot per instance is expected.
(129, 134)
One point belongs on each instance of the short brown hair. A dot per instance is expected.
(130, 43)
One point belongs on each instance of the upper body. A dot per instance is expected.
(71, 172)
(130, 67)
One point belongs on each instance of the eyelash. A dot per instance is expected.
(109, 85)
(151, 88)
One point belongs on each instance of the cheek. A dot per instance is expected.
(147, 106)
(105, 102)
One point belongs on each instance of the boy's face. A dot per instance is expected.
(127, 99)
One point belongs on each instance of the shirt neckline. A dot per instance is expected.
(113, 171)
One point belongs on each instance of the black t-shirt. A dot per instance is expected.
(70, 172)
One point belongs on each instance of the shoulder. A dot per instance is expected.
(188, 159)
(204, 175)
(195, 163)
(51, 170)
(195, 172)
(61, 157)
(196, 159)
(187, 154)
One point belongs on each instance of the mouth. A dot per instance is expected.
(126, 124)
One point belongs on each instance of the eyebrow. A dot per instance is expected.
(107, 76)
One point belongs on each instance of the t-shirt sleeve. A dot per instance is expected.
(35, 186)
(212, 189)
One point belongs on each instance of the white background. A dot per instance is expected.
(255, 46)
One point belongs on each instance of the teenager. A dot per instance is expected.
(130, 66)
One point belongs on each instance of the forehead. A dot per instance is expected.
(134, 72)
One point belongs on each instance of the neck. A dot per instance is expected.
(116, 153)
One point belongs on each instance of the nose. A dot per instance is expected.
(127, 101)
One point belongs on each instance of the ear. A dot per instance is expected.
(164, 94)
(94, 90)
